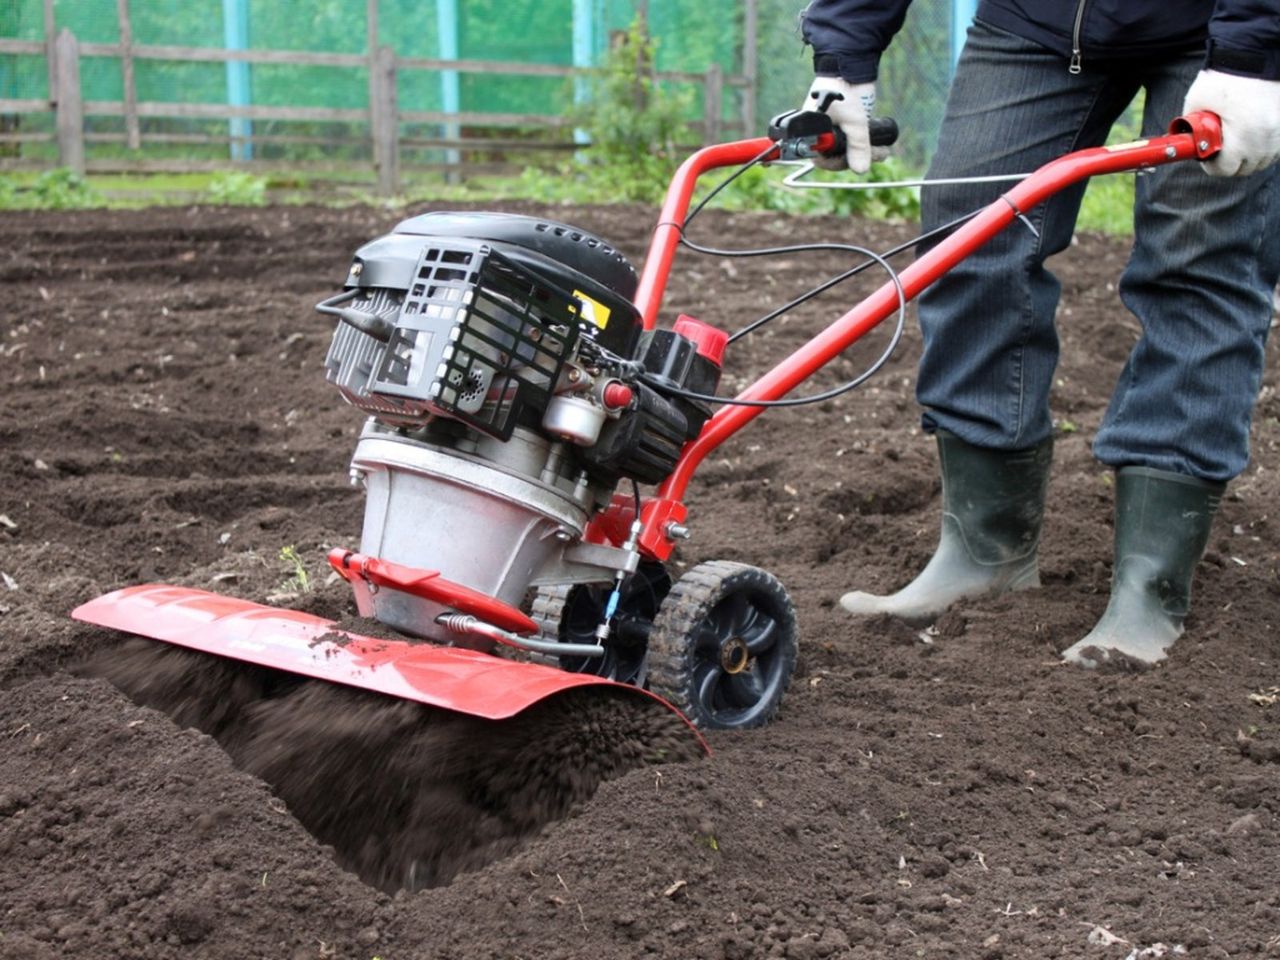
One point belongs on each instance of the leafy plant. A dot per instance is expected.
(633, 123)
(1108, 205)
(237, 188)
(64, 189)
(889, 203)
(59, 189)
(299, 579)
(760, 188)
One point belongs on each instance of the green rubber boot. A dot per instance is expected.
(1162, 527)
(992, 511)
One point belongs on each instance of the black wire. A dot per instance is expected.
(722, 184)
(872, 259)
(804, 298)
(794, 401)
(817, 397)
(635, 495)
(834, 281)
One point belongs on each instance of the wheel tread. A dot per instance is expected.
(690, 599)
(548, 609)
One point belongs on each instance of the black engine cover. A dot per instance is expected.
(572, 259)
(559, 243)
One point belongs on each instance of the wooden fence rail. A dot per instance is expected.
(383, 119)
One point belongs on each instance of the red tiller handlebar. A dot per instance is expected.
(1195, 136)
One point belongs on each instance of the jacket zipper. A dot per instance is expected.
(1075, 37)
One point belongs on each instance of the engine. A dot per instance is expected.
(510, 386)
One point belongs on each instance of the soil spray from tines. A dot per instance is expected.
(408, 796)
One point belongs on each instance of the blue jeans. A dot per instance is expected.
(1205, 260)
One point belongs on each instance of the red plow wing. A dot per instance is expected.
(466, 681)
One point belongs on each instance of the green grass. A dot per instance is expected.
(54, 189)
(1107, 207)
(154, 183)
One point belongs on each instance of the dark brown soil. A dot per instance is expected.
(408, 797)
(946, 793)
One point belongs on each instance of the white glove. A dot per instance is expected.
(1250, 112)
(851, 105)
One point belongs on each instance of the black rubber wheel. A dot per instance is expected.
(723, 646)
(570, 614)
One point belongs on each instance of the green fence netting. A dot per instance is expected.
(689, 37)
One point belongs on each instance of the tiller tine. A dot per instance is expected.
(453, 678)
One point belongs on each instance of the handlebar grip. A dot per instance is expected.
(884, 131)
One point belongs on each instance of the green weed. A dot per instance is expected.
(237, 188)
(299, 579)
(58, 189)
(888, 203)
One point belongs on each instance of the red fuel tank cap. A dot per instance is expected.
(710, 340)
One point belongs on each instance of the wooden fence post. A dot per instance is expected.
(132, 133)
(750, 65)
(70, 107)
(712, 97)
(384, 121)
(50, 46)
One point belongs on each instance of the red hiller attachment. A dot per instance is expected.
(454, 678)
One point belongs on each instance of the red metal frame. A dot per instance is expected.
(1197, 136)
(356, 568)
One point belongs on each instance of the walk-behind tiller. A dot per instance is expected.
(518, 392)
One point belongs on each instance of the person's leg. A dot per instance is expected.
(1205, 262)
(990, 347)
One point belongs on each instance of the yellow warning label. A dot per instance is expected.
(1128, 146)
(593, 311)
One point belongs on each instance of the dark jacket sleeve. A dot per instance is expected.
(1244, 38)
(848, 36)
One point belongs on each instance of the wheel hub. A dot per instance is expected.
(734, 656)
